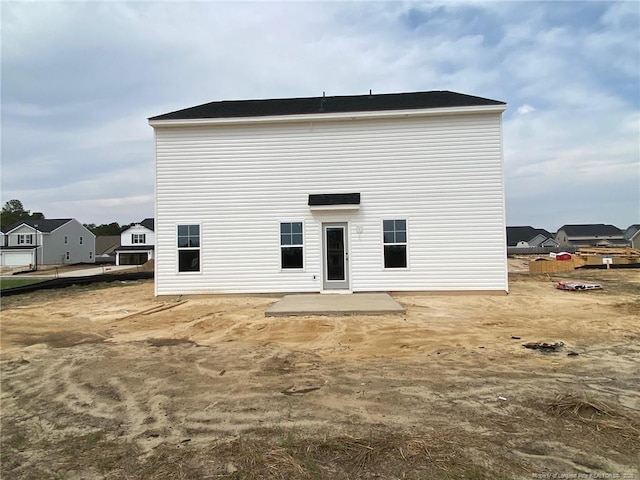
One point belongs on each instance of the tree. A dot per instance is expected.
(13, 211)
(105, 229)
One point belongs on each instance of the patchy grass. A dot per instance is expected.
(6, 283)
(580, 405)
(61, 293)
(597, 414)
(291, 455)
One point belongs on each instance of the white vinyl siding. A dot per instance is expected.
(443, 174)
(137, 235)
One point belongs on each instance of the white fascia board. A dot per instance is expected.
(22, 225)
(319, 117)
(334, 207)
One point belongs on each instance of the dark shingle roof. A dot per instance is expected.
(148, 223)
(335, 104)
(106, 243)
(590, 230)
(47, 225)
(630, 232)
(524, 234)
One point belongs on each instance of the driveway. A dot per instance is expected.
(78, 271)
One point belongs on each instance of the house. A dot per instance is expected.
(137, 244)
(386, 192)
(591, 235)
(529, 237)
(632, 234)
(105, 248)
(54, 241)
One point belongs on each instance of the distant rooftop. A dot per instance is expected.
(324, 104)
(148, 223)
(587, 230)
(46, 225)
(524, 234)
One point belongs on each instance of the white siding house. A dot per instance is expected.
(137, 244)
(394, 192)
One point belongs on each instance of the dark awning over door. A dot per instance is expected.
(327, 199)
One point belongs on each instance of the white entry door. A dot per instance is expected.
(335, 247)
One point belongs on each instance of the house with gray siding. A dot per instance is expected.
(591, 235)
(56, 241)
(529, 237)
(384, 192)
(632, 235)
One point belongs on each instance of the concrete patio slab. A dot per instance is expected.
(335, 304)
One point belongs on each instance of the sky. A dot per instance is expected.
(79, 80)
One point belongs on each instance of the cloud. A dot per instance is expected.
(525, 109)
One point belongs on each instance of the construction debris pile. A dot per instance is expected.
(603, 257)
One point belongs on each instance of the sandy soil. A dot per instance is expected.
(112, 382)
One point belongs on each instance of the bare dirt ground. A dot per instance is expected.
(111, 382)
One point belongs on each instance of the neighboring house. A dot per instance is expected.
(591, 235)
(105, 248)
(391, 192)
(136, 244)
(529, 237)
(55, 241)
(632, 234)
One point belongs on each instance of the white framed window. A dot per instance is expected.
(80, 240)
(188, 248)
(394, 239)
(25, 239)
(66, 240)
(138, 238)
(67, 256)
(90, 255)
(291, 245)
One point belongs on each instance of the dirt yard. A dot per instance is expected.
(111, 382)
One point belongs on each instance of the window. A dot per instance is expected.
(67, 256)
(291, 245)
(395, 243)
(138, 238)
(188, 248)
(66, 240)
(80, 240)
(90, 255)
(25, 239)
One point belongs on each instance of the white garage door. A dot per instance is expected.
(16, 259)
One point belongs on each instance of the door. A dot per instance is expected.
(335, 247)
(17, 259)
(133, 258)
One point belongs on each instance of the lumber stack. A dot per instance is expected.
(626, 251)
(550, 265)
(618, 255)
(592, 256)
